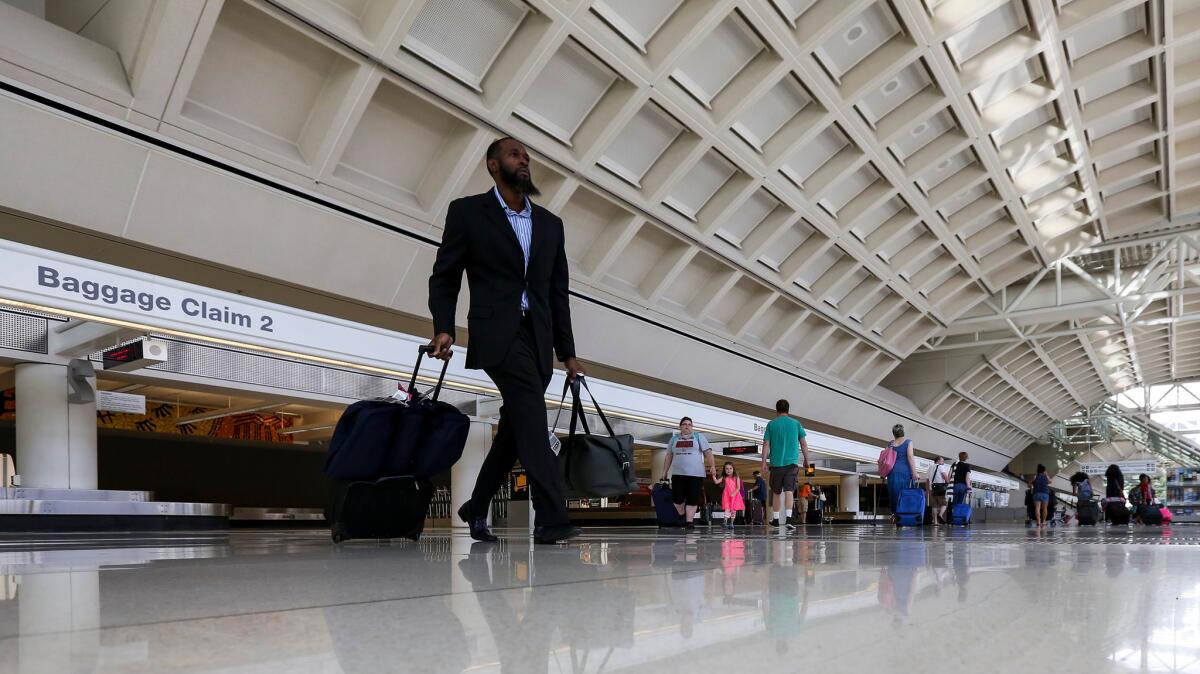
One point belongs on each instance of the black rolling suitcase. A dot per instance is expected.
(813, 516)
(1116, 511)
(426, 437)
(391, 507)
(1089, 513)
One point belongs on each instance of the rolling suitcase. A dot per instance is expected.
(960, 514)
(813, 516)
(664, 506)
(1116, 511)
(754, 511)
(391, 507)
(421, 437)
(1089, 513)
(910, 507)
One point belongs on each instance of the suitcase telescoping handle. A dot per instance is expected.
(412, 381)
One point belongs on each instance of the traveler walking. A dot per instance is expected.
(803, 501)
(939, 483)
(731, 495)
(688, 452)
(1041, 496)
(783, 441)
(1115, 510)
(961, 471)
(513, 254)
(820, 500)
(1114, 485)
(905, 467)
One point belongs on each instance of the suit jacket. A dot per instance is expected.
(479, 240)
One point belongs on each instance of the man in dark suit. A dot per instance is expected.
(513, 254)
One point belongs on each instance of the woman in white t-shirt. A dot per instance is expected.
(687, 454)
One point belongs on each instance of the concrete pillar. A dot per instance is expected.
(658, 459)
(848, 493)
(463, 473)
(56, 427)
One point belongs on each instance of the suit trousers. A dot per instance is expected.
(522, 434)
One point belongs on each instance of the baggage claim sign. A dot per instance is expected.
(80, 288)
(96, 291)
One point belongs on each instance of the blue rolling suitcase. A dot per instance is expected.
(664, 506)
(910, 509)
(960, 514)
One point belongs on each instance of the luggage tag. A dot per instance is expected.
(555, 443)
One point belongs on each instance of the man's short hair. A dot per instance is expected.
(757, 473)
(782, 406)
(493, 150)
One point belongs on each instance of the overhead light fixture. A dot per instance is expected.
(227, 412)
(306, 429)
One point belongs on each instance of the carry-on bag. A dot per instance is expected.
(813, 516)
(910, 507)
(595, 466)
(1116, 511)
(754, 511)
(960, 514)
(664, 505)
(409, 434)
(1150, 514)
(392, 507)
(1088, 513)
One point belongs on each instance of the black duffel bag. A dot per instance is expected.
(410, 435)
(595, 466)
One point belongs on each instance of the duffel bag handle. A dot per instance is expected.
(577, 412)
(412, 381)
(595, 403)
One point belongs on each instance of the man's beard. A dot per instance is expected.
(523, 185)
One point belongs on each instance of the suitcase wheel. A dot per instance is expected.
(337, 534)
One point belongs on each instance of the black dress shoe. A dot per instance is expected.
(555, 534)
(478, 525)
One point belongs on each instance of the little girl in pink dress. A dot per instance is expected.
(731, 496)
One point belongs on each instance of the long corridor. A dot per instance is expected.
(837, 599)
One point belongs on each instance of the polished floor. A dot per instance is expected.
(838, 599)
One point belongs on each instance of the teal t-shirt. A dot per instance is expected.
(783, 434)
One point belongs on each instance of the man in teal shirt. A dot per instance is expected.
(782, 443)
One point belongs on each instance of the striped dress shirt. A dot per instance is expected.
(522, 224)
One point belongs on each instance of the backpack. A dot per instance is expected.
(1085, 491)
(887, 461)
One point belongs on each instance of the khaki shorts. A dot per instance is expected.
(937, 500)
(785, 478)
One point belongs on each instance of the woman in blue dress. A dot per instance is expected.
(905, 467)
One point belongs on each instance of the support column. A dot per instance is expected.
(56, 425)
(658, 459)
(464, 472)
(848, 493)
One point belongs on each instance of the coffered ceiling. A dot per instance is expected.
(859, 188)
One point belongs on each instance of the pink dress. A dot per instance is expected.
(731, 498)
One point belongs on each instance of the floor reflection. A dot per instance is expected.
(614, 601)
